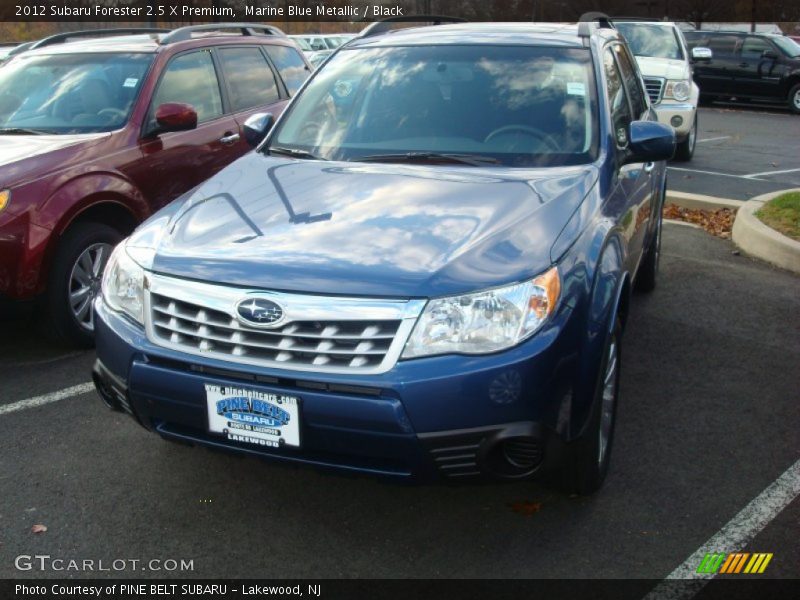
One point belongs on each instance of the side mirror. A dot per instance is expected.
(256, 128)
(769, 54)
(175, 116)
(650, 141)
(701, 53)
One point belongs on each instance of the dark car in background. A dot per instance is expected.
(748, 66)
(424, 270)
(100, 129)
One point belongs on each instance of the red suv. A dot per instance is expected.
(100, 129)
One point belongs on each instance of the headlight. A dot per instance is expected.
(123, 285)
(5, 198)
(679, 89)
(486, 321)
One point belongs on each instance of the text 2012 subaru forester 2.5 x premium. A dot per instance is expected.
(99, 129)
(424, 268)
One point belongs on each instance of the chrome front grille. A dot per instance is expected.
(655, 88)
(330, 334)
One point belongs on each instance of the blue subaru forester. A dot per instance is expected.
(424, 269)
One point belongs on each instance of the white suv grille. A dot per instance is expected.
(330, 334)
(655, 88)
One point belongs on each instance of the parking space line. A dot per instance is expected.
(75, 390)
(753, 176)
(733, 537)
(714, 139)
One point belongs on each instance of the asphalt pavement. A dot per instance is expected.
(708, 419)
(742, 151)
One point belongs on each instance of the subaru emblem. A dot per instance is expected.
(259, 312)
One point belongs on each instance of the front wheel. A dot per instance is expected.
(794, 99)
(685, 150)
(588, 457)
(75, 279)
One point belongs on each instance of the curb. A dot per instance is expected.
(756, 239)
(687, 200)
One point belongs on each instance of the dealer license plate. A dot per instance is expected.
(253, 417)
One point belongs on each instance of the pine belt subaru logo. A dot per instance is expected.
(259, 312)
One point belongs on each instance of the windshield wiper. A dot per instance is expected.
(295, 152)
(474, 160)
(20, 131)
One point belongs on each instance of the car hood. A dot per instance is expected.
(667, 68)
(25, 157)
(365, 229)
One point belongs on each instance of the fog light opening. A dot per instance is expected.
(516, 457)
(676, 121)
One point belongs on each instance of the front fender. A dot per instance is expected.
(607, 295)
(76, 194)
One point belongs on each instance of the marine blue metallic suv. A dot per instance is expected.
(424, 268)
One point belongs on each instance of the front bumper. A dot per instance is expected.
(667, 110)
(451, 416)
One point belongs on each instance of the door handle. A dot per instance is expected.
(229, 138)
(743, 64)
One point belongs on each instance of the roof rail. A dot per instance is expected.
(642, 19)
(602, 20)
(185, 33)
(60, 38)
(379, 27)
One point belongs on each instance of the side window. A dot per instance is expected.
(632, 82)
(290, 65)
(617, 99)
(754, 47)
(723, 44)
(191, 79)
(250, 80)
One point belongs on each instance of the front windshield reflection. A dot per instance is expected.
(518, 105)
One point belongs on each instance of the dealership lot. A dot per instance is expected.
(742, 151)
(708, 420)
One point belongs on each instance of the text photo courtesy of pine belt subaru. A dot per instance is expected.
(423, 270)
(99, 129)
(666, 65)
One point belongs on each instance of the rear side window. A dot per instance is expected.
(191, 79)
(250, 80)
(631, 78)
(723, 44)
(617, 99)
(290, 65)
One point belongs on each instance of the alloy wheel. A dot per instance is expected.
(608, 401)
(84, 283)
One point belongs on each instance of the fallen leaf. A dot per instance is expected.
(39, 528)
(716, 222)
(526, 508)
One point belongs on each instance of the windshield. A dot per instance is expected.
(70, 93)
(787, 45)
(651, 40)
(511, 105)
(304, 45)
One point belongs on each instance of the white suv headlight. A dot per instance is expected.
(486, 321)
(123, 285)
(679, 89)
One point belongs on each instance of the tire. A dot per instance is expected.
(588, 457)
(648, 271)
(74, 280)
(794, 99)
(685, 149)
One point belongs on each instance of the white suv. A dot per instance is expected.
(664, 60)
